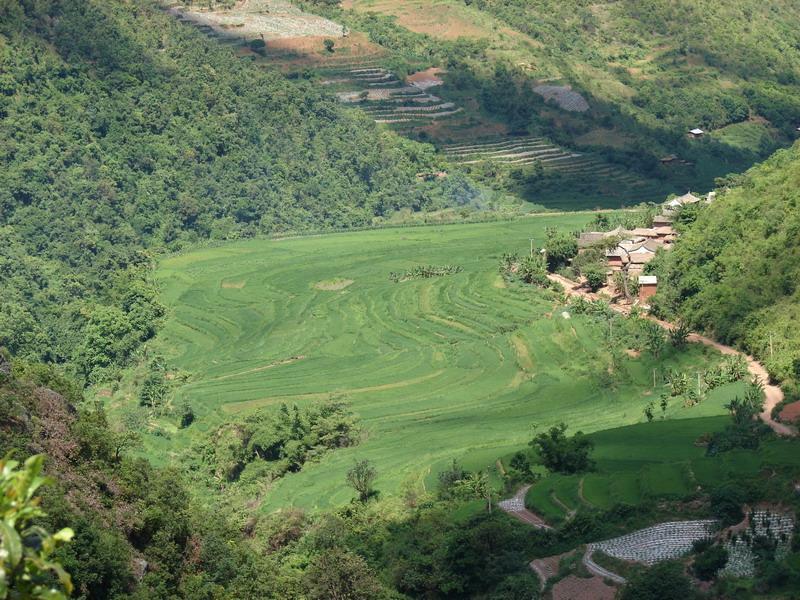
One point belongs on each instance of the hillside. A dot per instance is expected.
(735, 269)
(121, 131)
(621, 82)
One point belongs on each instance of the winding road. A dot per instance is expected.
(773, 395)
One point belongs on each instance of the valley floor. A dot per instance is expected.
(458, 366)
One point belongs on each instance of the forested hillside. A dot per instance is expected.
(121, 131)
(735, 270)
(683, 63)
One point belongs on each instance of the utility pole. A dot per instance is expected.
(531, 240)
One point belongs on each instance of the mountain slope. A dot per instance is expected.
(122, 130)
(735, 270)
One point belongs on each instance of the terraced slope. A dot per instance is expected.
(609, 182)
(457, 366)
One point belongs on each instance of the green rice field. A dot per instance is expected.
(658, 460)
(457, 366)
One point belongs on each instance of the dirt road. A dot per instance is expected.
(773, 394)
(515, 506)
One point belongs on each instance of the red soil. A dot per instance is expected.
(791, 412)
(576, 588)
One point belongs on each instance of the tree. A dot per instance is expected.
(187, 415)
(655, 338)
(595, 276)
(709, 561)
(664, 581)
(361, 478)
(560, 247)
(562, 454)
(328, 43)
(679, 335)
(25, 549)
(476, 485)
(337, 574)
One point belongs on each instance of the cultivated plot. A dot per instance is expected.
(457, 366)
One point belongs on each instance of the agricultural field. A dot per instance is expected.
(258, 19)
(456, 366)
(658, 460)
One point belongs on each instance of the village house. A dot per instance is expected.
(648, 285)
(662, 221)
(696, 133)
(590, 238)
(674, 205)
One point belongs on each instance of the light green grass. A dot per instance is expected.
(749, 135)
(458, 366)
(658, 460)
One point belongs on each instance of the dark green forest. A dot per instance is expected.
(123, 132)
(735, 270)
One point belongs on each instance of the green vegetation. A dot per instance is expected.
(460, 366)
(665, 459)
(560, 454)
(26, 550)
(649, 71)
(122, 130)
(734, 269)
(665, 581)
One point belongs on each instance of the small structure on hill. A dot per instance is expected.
(674, 205)
(696, 133)
(648, 285)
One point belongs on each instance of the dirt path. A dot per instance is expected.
(571, 512)
(773, 395)
(515, 506)
(596, 569)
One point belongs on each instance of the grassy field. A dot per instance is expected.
(459, 366)
(656, 460)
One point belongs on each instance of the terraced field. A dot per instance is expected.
(657, 460)
(457, 366)
(607, 182)
(387, 99)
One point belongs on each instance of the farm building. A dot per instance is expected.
(662, 221)
(590, 238)
(696, 133)
(676, 204)
(648, 284)
(663, 232)
(633, 254)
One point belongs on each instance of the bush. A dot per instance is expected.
(664, 581)
(709, 561)
(561, 454)
(595, 276)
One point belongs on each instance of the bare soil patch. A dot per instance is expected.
(310, 50)
(333, 285)
(791, 412)
(426, 79)
(233, 285)
(578, 588)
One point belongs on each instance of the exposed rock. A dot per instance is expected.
(5, 366)
(139, 568)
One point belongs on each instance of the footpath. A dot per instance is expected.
(773, 395)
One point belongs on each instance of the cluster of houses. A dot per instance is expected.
(637, 247)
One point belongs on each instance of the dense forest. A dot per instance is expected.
(735, 269)
(123, 132)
